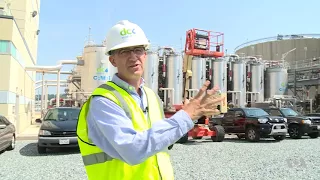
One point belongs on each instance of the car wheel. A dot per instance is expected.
(295, 132)
(220, 133)
(41, 150)
(314, 135)
(252, 134)
(12, 143)
(279, 137)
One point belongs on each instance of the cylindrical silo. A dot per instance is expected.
(276, 81)
(151, 70)
(174, 77)
(198, 74)
(219, 78)
(96, 68)
(257, 80)
(239, 81)
(219, 74)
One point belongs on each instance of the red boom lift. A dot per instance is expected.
(203, 44)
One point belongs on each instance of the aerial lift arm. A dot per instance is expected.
(199, 43)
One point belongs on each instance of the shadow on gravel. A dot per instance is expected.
(233, 140)
(31, 150)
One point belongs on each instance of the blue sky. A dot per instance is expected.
(64, 24)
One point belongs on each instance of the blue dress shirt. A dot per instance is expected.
(110, 129)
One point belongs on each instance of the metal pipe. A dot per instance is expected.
(61, 72)
(50, 68)
(61, 85)
(62, 81)
(58, 89)
(46, 97)
(42, 92)
(233, 56)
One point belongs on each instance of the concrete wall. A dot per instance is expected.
(273, 50)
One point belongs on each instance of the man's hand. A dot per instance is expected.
(203, 104)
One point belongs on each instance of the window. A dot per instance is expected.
(289, 112)
(239, 113)
(230, 113)
(62, 114)
(4, 46)
(256, 112)
(13, 51)
(6, 121)
(275, 113)
(1, 121)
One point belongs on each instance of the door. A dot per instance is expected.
(239, 121)
(4, 135)
(227, 121)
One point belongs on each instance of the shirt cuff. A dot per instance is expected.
(184, 121)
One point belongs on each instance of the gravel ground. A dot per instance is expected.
(201, 159)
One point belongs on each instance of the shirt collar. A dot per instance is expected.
(124, 85)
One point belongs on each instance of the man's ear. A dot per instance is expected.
(112, 61)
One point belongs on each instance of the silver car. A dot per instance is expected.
(7, 134)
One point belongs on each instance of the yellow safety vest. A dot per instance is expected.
(99, 165)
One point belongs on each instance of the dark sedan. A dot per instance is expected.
(58, 128)
(7, 134)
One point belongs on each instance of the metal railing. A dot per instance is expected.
(304, 63)
(277, 38)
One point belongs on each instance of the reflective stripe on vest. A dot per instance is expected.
(123, 103)
(96, 158)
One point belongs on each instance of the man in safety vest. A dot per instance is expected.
(122, 132)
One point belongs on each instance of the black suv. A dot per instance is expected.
(298, 125)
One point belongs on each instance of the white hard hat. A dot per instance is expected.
(125, 34)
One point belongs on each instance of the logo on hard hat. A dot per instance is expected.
(125, 32)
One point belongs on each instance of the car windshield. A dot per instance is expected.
(62, 114)
(255, 112)
(289, 112)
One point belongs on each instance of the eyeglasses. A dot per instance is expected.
(126, 52)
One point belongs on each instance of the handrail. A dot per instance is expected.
(278, 37)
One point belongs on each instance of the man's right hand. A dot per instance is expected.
(203, 104)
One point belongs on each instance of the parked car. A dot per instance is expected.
(298, 125)
(7, 134)
(58, 128)
(252, 124)
(313, 115)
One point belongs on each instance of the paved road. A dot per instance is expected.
(201, 159)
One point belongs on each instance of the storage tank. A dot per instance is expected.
(151, 70)
(219, 78)
(96, 67)
(239, 81)
(219, 74)
(257, 80)
(276, 81)
(174, 77)
(198, 74)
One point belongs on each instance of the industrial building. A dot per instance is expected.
(19, 22)
(300, 52)
(257, 72)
